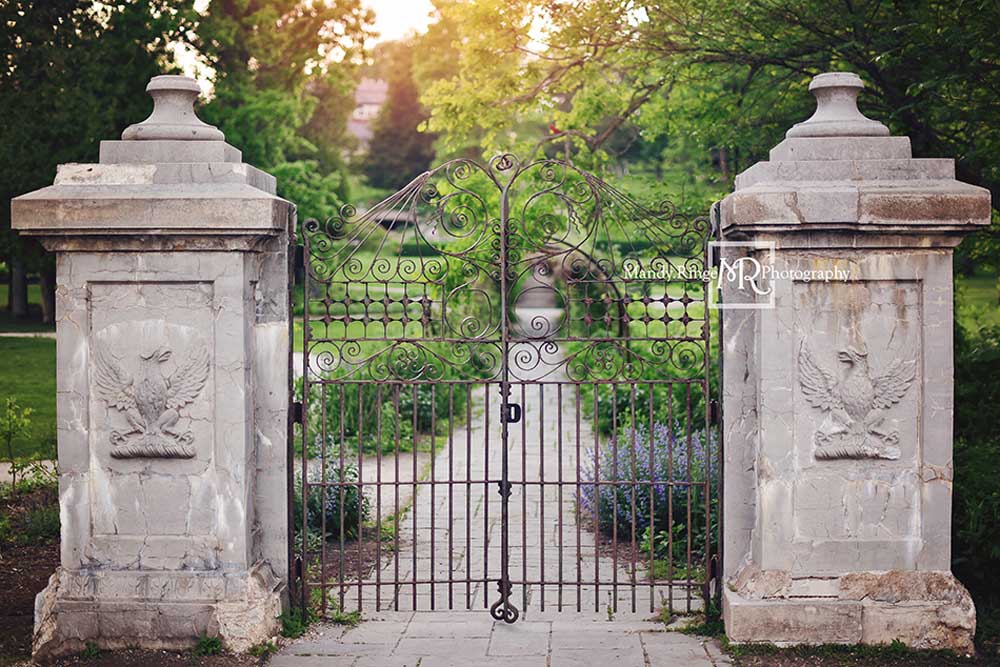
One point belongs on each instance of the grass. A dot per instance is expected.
(976, 301)
(208, 646)
(28, 372)
(33, 323)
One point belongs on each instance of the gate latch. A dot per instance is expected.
(512, 413)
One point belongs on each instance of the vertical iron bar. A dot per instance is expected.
(541, 491)
(632, 455)
(340, 487)
(652, 508)
(503, 609)
(304, 528)
(396, 587)
(671, 437)
(687, 392)
(451, 493)
(378, 498)
(433, 480)
(614, 496)
(413, 498)
(468, 496)
(579, 510)
(524, 502)
(486, 497)
(597, 498)
(361, 486)
(559, 477)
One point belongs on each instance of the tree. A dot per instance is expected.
(398, 150)
(73, 75)
(727, 74)
(283, 71)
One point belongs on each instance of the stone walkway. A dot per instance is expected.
(463, 639)
(559, 625)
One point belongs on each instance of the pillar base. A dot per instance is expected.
(922, 609)
(155, 610)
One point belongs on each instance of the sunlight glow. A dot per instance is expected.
(397, 18)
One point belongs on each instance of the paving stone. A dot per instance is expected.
(468, 648)
(608, 657)
(314, 661)
(334, 647)
(668, 649)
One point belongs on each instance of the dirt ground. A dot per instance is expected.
(25, 570)
(855, 657)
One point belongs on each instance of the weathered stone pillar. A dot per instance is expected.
(838, 386)
(172, 381)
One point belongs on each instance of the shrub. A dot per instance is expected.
(658, 484)
(976, 506)
(327, 502)
(15, 422)
(371, 419)
(40, 524)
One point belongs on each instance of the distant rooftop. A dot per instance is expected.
(369, 97)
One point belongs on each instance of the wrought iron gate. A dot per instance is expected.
(505, 399)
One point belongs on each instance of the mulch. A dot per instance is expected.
(858, 657)
(25, 571)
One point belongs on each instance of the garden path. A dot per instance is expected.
(567, 625)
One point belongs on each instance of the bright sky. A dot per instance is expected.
(395, 18)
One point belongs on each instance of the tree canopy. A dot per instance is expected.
(725, 75)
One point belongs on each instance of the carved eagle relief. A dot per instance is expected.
(856, 401)
(150, 401)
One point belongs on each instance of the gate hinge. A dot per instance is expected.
(510, 413)
(296, 412)
(714, 413)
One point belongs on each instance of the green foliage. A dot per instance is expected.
(295, 622)
(263, 649)
(348, 618)
(15, 422)
(709, 85)
(90, 651)
(976, 503)
(397, 152)
(28, 371)
(342, 505)
(73, 75)
(40, 525)
(709, 624)
(208, 646)
(283, 80)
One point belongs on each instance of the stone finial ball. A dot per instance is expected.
(837, 113)
(173, 116)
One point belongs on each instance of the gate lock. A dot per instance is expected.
(512, 414)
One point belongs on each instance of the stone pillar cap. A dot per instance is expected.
(837, 113)
(173, 116)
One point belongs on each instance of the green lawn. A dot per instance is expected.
(28, 372)
(9, 324)
(976, 303)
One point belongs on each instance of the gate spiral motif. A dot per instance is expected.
(521, 289)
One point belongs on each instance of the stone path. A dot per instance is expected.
(461, 639)
(559, 625)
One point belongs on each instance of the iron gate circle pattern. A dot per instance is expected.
(514, 279)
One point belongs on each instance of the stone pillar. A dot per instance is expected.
(837, 386)
(172, 343)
